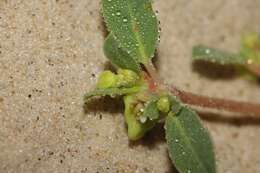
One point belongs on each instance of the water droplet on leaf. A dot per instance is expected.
(207, 51)
(143, 119)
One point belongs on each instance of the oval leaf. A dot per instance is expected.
(134, 25)
(119, 57)
(217, 56)
(190, 146)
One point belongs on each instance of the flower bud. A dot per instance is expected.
(126, 77)
(163, 104)
(251, 40)
(135, 128)
(106, 79)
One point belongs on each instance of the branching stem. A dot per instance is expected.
(153, 73)
(254, 69)
(252, 109)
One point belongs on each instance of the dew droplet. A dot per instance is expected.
(124, 20)
(143, 119)
(222, 62)
(176, 140)
(249, 61)
(213, 61)
(207, 51)
(118, 13)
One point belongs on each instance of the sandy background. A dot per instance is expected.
(51, 54)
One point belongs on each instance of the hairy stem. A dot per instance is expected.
(153, 73)
(254, 69)
(251, 109)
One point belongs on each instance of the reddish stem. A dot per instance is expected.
(217, 103)
(153, 74)
(254, 69)
(204, 101)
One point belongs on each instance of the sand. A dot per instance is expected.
(51, 54)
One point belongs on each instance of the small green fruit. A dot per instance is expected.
(251, 40)
(135, 128)
(163, 104)
(126, 77)
(107, 79)
(250, 48)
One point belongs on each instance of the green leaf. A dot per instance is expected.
(150, 111)
(189, 143)
(134, 26)
(111, 92)
(217, 56)
(119, 57)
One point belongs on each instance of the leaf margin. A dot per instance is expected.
(181, 165)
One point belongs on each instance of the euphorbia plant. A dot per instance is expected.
(130, 46)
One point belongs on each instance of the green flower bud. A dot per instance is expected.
(135, 128)
(250, 48)
(163, 104)
(251, 40)
(126, 77)
(107, 79)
